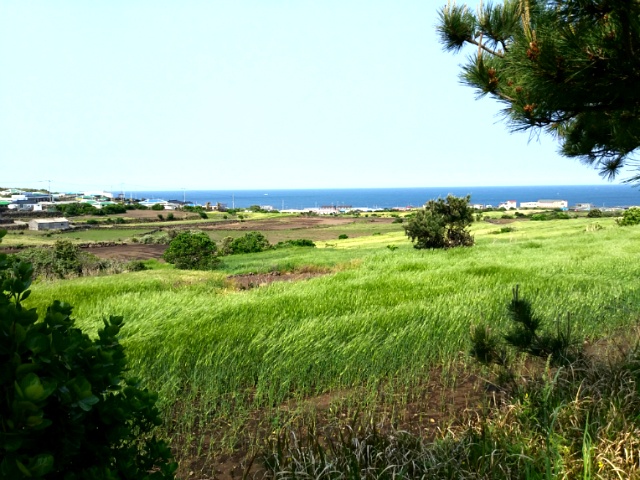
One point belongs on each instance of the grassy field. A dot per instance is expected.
(376, 316)
(30, 238)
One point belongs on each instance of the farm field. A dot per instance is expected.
(368, 328)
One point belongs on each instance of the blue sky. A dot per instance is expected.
(132, 94)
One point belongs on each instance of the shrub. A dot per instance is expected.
(157, 206)
(203, 215)
(170, 216)
(398, 220)
(526, 335)
(594, 213)
(160, 217)
(343, 236)
(68, 412)
(302, 242)
(251, 242)
(135, 266)
(73, 209)
(225, 246)
(503, 230)
(192, 251)
(539, 217)
(442, 224)
(155, 239)
(62, 260)
(92, 221)
(630, 217)
(113, 209)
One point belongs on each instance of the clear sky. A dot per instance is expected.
(243, 94)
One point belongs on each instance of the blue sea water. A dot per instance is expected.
(598, 195)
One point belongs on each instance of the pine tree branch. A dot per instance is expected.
(484, 47)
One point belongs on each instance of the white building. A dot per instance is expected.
(528, 204)
(509, 204)
(563, 204)
(49, 224)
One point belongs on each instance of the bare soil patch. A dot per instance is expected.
(129, 252)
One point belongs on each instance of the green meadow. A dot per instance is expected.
(374, 314)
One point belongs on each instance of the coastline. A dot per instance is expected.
(600, 196)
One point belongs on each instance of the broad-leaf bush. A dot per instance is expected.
(62, 260)
(67, 411)
(192, 251)
(630, 217)
(442, 224)
(251, 242)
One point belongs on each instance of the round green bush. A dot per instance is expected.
(192, 251)
(251, 242)
(630, 217)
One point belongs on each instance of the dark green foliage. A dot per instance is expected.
(62, 260)
(75, 209)
(170, 216)
(135, 266)
(539, 217)
(251, 242)
(203, 215)
(526, 336)
(552, 215)
(136, 206)
(157, 206)
(398, 220)
(504, 230)
(66, 410)
(594, 213)
(225, 246)
(302, 242)
(343, 236)
(113, 209)
(192, 251)
(567, 67)
(486, 347)
(630, 217)
(193, 208)
(442, 224)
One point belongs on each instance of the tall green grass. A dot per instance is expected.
(393, 314)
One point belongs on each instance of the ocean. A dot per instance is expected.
(601, 196)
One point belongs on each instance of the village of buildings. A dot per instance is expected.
(14, 200)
